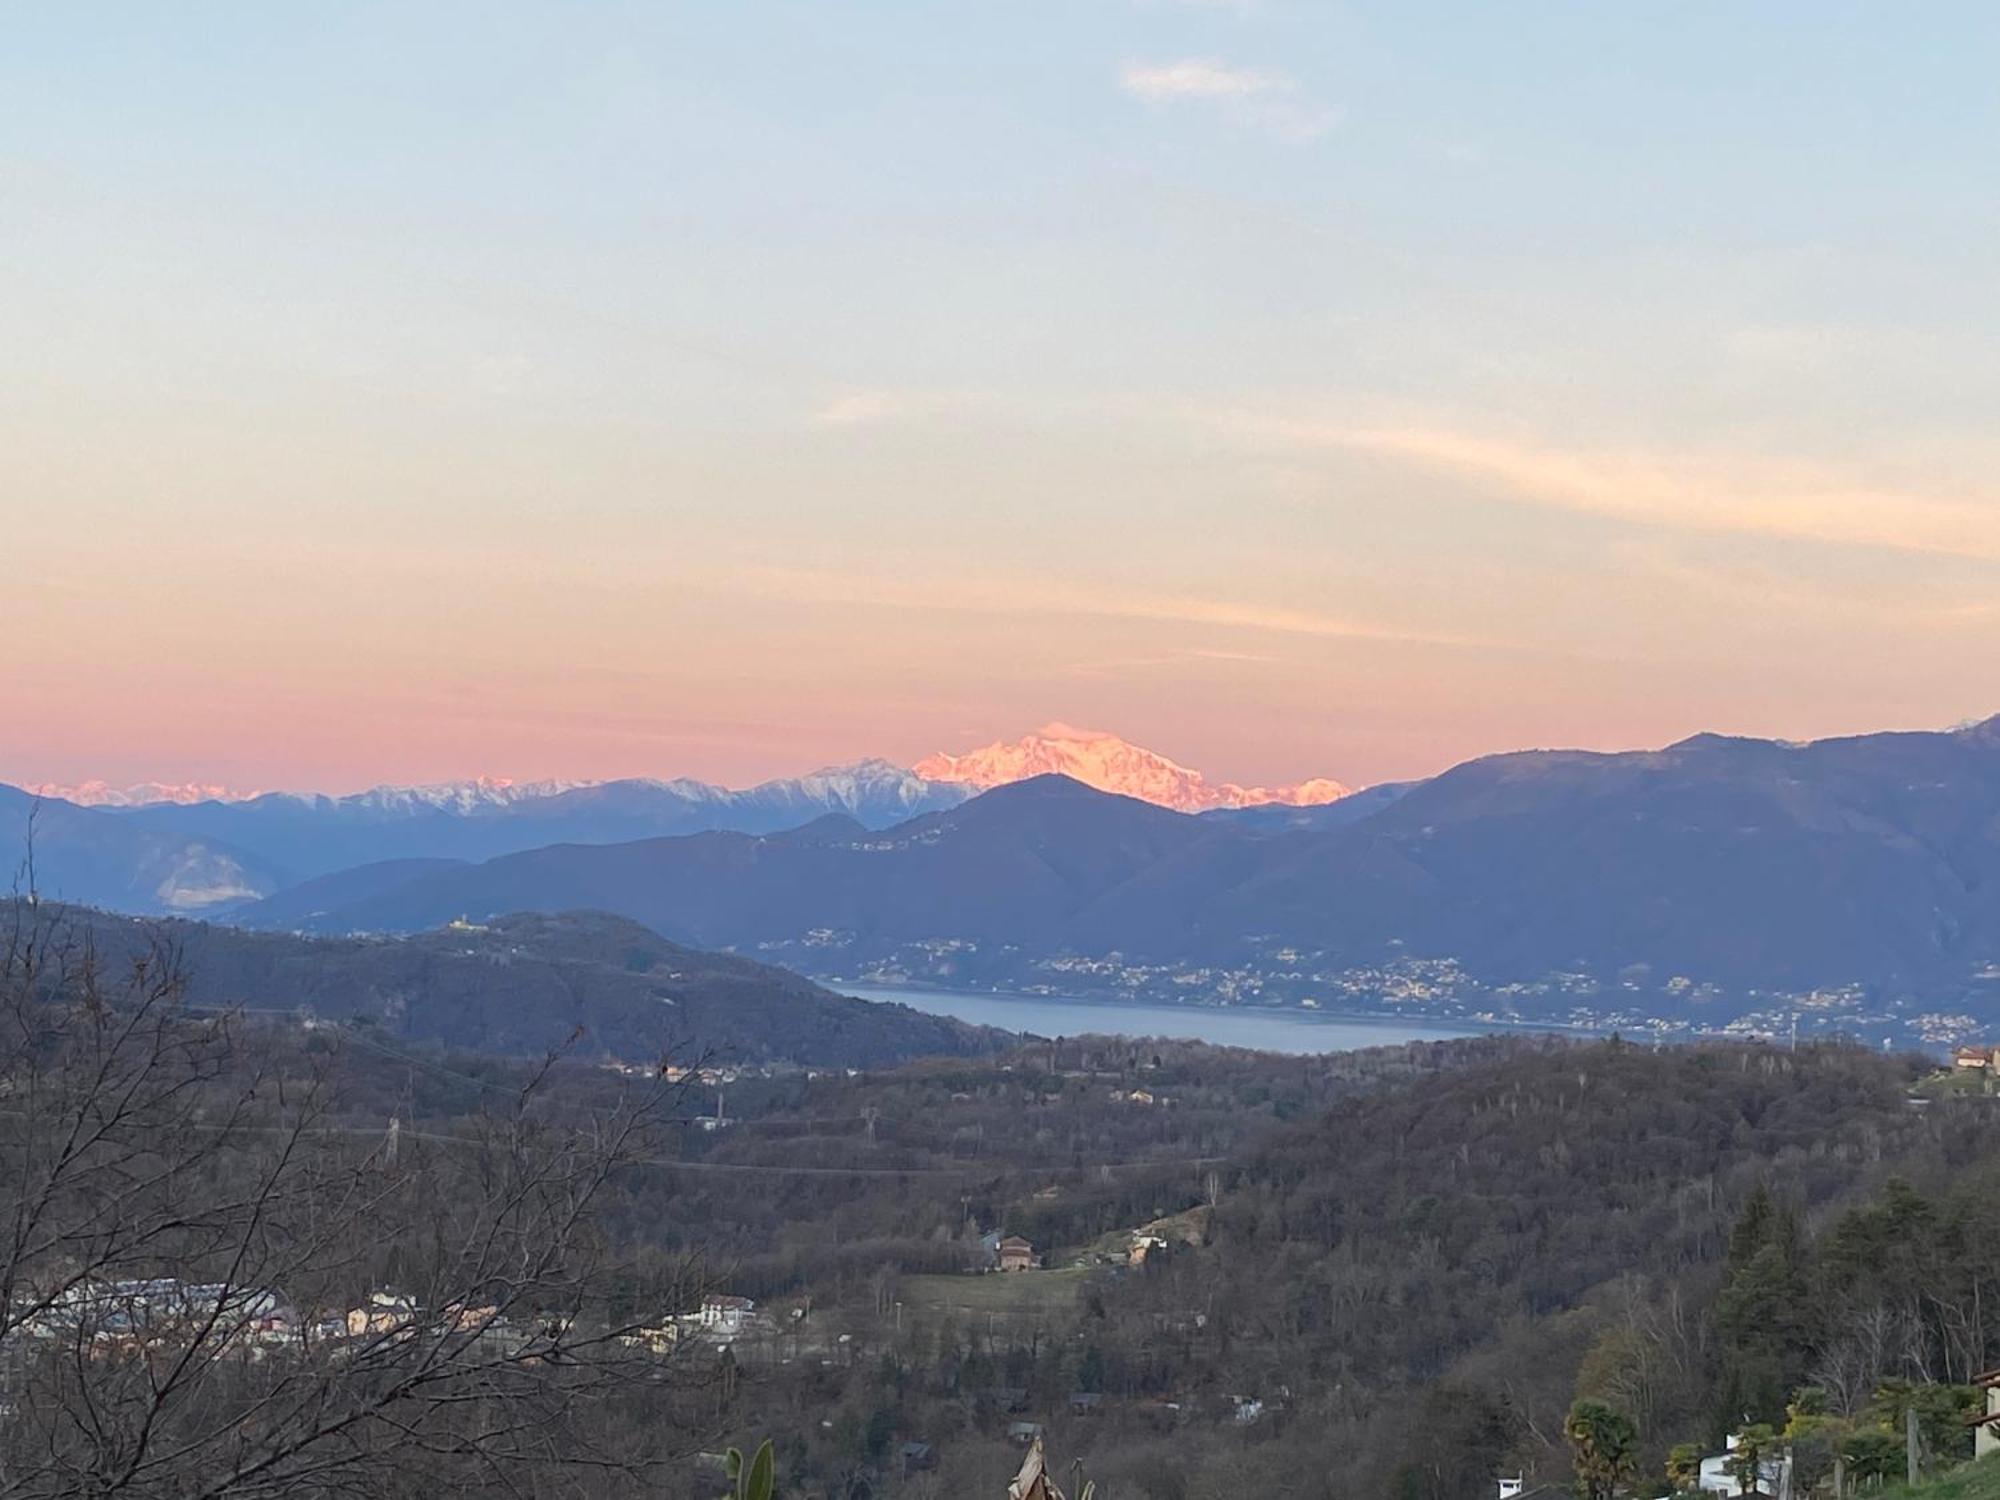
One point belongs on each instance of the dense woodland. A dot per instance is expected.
(1416, 1259)
(1389, 1273)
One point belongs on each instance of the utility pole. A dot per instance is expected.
(1910, 1439)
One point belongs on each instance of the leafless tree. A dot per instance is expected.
(1851, 1364)
(210, 1285)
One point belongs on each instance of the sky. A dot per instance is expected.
(400, 392)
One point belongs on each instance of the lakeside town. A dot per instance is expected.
(1634, 1004)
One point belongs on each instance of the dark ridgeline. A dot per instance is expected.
(585, 982)
(1747, 865)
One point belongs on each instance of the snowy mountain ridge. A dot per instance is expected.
(1110, 764)
(96, 793)
(872, 789)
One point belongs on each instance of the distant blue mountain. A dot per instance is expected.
(1715, 878)
(97, 857)
(293, 838)
(1279, 817)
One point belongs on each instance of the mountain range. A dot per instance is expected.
(188, 857)
(188, 849)
(99, 793)
(1852, 882)
(1849, 880)
(96, 856)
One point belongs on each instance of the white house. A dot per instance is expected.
(1774, 1472)
(724, 1316)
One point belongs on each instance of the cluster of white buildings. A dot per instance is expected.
(721, 1320)
(109, 1316)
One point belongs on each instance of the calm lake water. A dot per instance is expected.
(1270, 1031)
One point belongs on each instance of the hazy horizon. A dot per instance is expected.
(399, 394)
(253, 787)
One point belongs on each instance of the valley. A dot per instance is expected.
(1128, 750)
(1716, 887)
(1182, 1267)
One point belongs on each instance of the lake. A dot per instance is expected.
(1269, 1031)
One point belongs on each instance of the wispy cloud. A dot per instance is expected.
(1700, 492)
(1199, 78)
(1268, 101)
(1044, 597)
(1238, 7)
(1172, 660)
(860, 408)
(868, 407)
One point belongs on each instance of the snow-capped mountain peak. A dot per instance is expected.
(866, 784)
(96, 793)
(470, 795)
(1102, 760)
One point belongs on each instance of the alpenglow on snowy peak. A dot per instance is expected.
(1110, 764)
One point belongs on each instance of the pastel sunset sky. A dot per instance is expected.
(404, 391)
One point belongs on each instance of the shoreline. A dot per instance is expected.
(1462, 1026)
(1465, 1027)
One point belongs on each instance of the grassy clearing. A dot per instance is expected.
(1979, 1480)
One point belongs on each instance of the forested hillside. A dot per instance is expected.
(1412, 1265)
(596, 985)
(1391, 1272)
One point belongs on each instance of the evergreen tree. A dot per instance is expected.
(1764, 1315)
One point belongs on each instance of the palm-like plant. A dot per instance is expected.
(754, 1480)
